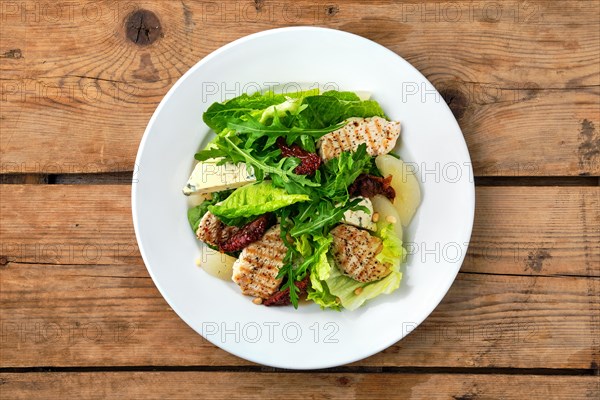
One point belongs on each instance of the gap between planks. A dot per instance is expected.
(126, 178)
(335, 370)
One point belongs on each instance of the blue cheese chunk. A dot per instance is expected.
(360, 218)
(208, 177)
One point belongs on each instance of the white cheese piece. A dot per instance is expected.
(208, 177)
(360, 218)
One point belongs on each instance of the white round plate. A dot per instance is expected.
(308, 337)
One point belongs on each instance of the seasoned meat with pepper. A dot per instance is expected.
(354, 251)
(255, 271)
(377, 133)
(213, 231)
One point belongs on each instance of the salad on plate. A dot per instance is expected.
(301, 198)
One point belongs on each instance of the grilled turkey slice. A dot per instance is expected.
(255, 271)
(213, 231)
(377, 133)
(354, 252)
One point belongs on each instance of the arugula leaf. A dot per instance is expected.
(340, 172)
(287, 175)
(290, 259)
(326, 216)
(206, 154)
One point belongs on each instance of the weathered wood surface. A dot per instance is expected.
(223, 385)
(80, 80)
(60, 315)
(74, 291)
(523, 78)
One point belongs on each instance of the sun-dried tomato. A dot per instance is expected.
(245, 235)
(370, 185)
(282, 297)
(310, 162)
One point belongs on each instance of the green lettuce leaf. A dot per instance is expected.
(324, 298)
(319, 269)
(333, 107)
(260, 105)
(392, 253)
(340, 172)
(344, 287)
(290, 105)
(196, 213)
(315, 218)
(255, 199)
(346, 96)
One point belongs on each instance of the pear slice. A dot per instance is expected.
(387, 214)
(404, 182)
(217, 264)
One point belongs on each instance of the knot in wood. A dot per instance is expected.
(143, 27)
(456, 100)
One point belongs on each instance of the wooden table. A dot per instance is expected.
(80, 315)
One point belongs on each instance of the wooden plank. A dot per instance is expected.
(536, 231)
(67, 224)
(523, 78)
(222, 385)
(97, 305)
(517, 230)
(112, 315)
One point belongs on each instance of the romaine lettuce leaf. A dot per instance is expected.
(291, 105)
(219, 115)
(324, 298)
(392, 252)
(320, 270)
(344, 288)
(347, 96)
(319, 267)
(255, 199)
(333, 107)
